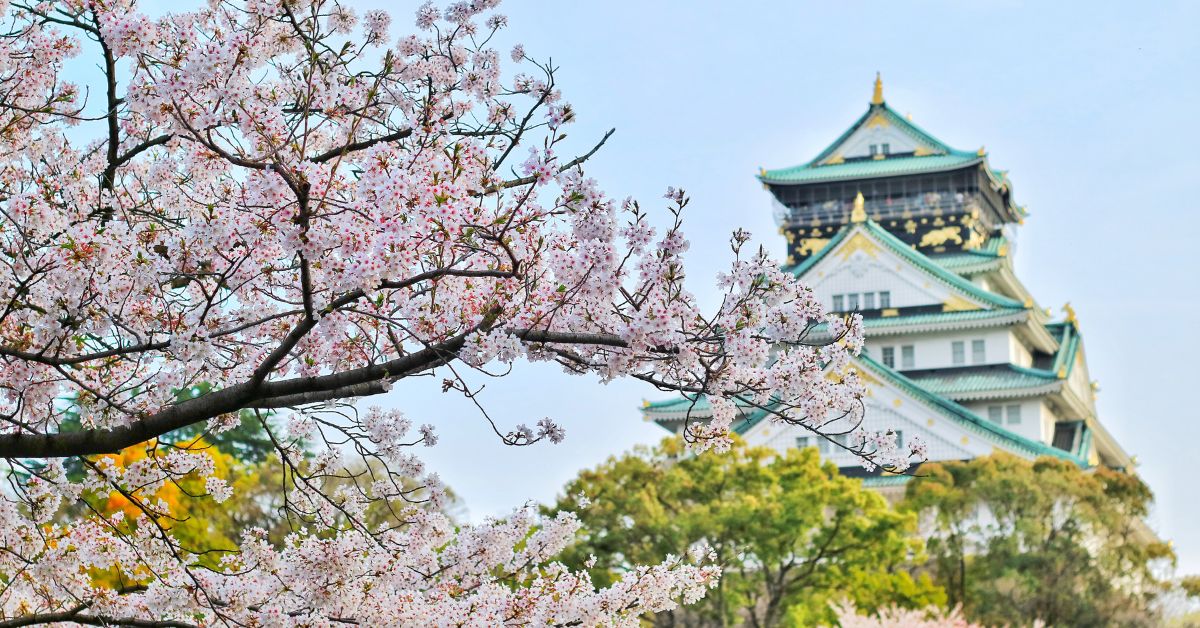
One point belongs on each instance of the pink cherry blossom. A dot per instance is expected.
(267, 199)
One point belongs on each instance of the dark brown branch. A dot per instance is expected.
(361, 381)
(80, 359)
(334, 153)
(76, 617)
(565, 167)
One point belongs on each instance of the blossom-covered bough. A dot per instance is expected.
(280, 204)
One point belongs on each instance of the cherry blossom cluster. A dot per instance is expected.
(886, 451)
(286, 203)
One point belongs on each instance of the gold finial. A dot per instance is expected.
(877, 97)
(982, 151)
(859, 213)
(1070, 313)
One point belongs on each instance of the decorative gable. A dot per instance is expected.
(863, 263)
(879, 135)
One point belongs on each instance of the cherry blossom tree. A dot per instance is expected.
(276, 206)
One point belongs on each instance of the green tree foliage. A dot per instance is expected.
(791, 534)
(1015, 541)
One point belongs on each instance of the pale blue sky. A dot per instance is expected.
(1089, 106)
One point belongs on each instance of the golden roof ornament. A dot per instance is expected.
(859, 213)
(1070, 313)
(877, 97)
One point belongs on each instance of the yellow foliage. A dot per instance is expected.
(187, 516)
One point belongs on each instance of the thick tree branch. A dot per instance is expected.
(367, 380)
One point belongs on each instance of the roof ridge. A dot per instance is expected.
(905, 125)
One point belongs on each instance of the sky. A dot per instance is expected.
(1089, 106)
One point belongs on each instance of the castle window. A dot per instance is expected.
(868, 300)
(874, 149)
(1012, 415)
(885, 299)
(887, 149)
(908, 357)
(826, 448)
(852, 302)
(889, 356)
(958, 352)
(838, 303)
(978, 352)
(802, 442)
(996, 414)
(899, 440)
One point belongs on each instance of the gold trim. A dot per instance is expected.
(809, 246)
(858, 214)
(888, 312)
(867, 377)
(955, 303)
(878, 120)
(939, 237)
(1070, 311)
(858, 242)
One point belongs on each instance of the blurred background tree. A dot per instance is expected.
(791, 534)
(1016, 541)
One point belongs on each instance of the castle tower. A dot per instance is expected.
(916, 236)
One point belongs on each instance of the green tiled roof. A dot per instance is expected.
(967, 319)
(1006, 377)
(682, 403)
(904, 124)
(983, 258)
(948, 408)
(942, 156)
(938, 318)
(919, 259)
(1068, 339)
(869, 168)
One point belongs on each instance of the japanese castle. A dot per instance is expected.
(917, 236)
